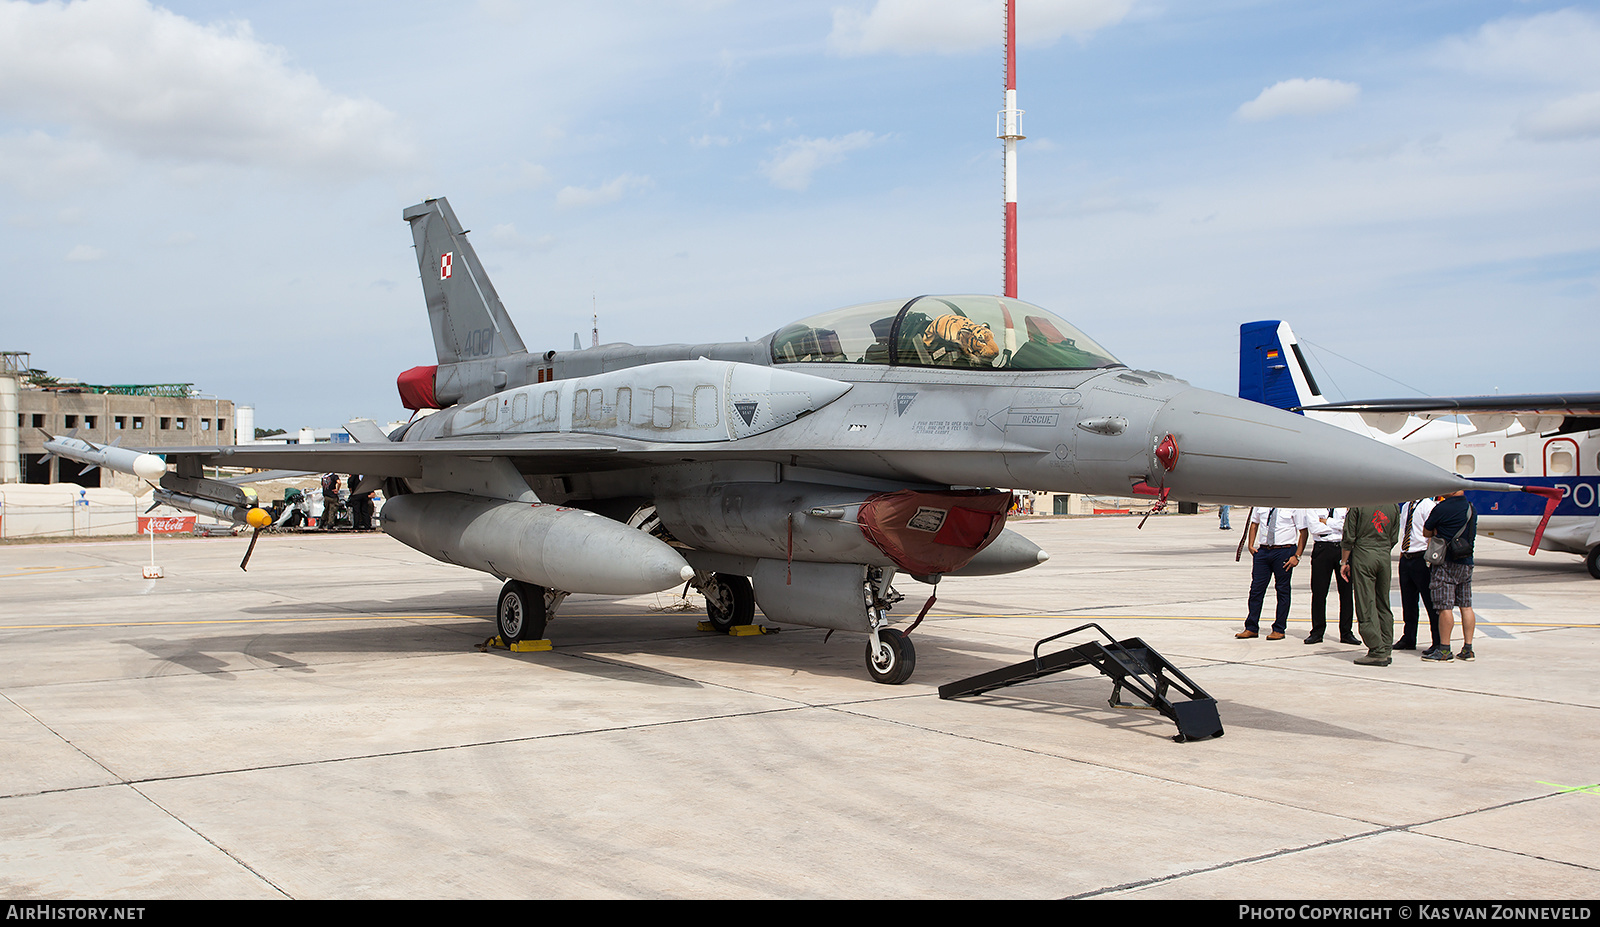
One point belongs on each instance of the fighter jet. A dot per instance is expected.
(804, 472)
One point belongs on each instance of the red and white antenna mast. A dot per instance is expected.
(1007, 128)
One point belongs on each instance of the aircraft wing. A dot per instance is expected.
(397, 458)
(1535, 412)
(1523, 404)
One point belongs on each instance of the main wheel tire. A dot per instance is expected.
(894, 659)
(730, 601)
(520, 614)
(1592, 561)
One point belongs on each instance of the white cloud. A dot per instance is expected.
(793, 162)
(911, 27)
(1549, 51)
(1558, 47)
(1299, 97)
(85, 253)
(1572, 117)
(608, 192)
(134, 77)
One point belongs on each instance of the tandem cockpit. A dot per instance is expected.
(965, 332)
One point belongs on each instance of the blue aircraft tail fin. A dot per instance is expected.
(1272, 370)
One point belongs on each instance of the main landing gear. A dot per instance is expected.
(521, 614)
(730, 602)
(835, 596)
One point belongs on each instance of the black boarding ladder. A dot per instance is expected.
(1131, 664)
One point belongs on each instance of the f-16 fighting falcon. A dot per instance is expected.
(804, 472)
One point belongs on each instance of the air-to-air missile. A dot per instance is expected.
(213, 498)
(144, 465)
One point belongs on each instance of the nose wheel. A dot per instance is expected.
(891, 657)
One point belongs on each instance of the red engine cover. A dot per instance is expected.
(934, 532)
(416, 388)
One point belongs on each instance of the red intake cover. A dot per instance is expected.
(416, 388)
(934, 532)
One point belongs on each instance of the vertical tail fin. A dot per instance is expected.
(468, 319)
(1271, 368)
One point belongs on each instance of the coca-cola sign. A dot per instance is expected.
(166, 524)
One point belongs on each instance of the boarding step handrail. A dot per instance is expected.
(1128, 663)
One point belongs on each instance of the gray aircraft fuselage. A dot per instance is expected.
(799, 472)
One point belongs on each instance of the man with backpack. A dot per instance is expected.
(1456, 521)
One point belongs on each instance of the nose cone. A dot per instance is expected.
(1236, 451)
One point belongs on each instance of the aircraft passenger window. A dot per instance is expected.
(547, 406)
(1465, 464)
(624, 405)
(1514, 463)
(1560, 463)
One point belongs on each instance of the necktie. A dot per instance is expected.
(1272, 516)
(1405, 547)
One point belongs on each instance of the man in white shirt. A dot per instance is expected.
(1282, 535)
(1415, 574)
(1327, 529)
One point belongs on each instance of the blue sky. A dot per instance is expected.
(212, 192)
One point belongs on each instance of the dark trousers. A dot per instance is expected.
(1414, 576)
(1325, 567)
(1270, 565)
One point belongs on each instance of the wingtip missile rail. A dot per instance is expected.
(120, 459)
(212, 498)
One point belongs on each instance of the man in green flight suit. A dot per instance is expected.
(1370, 533)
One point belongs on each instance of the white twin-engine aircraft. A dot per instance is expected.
(1537, 440)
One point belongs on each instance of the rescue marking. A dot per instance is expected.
(1591, 789)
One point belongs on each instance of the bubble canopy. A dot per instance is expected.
(968, 332)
